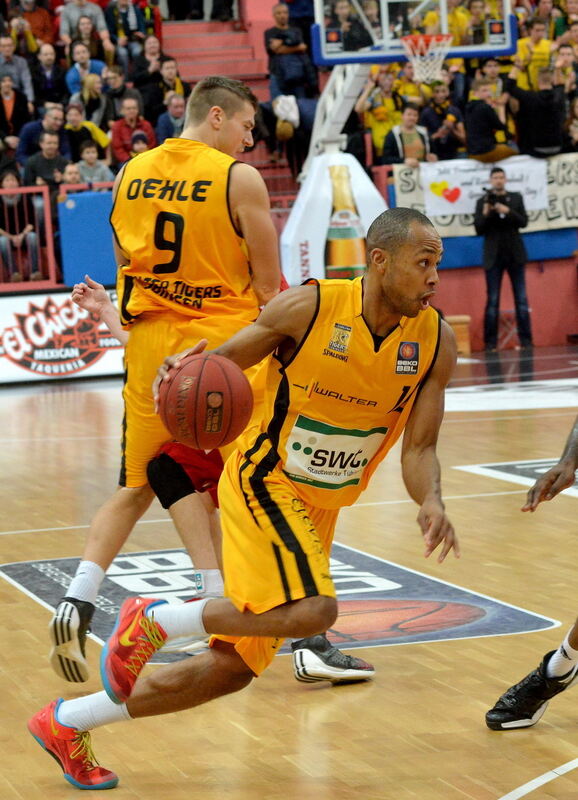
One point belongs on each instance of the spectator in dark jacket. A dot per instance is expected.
(52, 122)
(14, 112)
(408, 143)
(45, 167)
(354, 35)
(48, 78)
(498, 218)
(117, 89)
(171, 123)
(290, 70)
(484, 129)
(147, 66)
(541, 114)
(156, 95)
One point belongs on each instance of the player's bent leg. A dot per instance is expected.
(71, 621)
(191, 682)
(315, 659)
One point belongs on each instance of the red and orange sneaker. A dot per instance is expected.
(71, 748)
(135, 638)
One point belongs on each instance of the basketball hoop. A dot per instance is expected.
(427, 53)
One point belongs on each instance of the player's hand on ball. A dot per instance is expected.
(172, 362)
(437, 529)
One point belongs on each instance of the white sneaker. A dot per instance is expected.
(315, 659)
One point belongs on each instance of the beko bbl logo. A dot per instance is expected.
(52, 339)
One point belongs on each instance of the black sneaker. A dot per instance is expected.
(523, 704)
(68, 628)
(315, 659)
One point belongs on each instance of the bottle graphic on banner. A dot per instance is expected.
(345, 247)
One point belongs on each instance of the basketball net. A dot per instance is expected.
(427, 53)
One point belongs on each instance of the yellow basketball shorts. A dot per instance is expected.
(151, 340)
(275, 548)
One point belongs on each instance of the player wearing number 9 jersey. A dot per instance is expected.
(197, 255)
(194, 242)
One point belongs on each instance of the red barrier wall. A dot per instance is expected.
(552, 293)
(257, 16)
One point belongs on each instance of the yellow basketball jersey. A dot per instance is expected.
(335, 410)
(172, 218)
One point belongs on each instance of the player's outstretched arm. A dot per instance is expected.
(249, 202)
(560, 477)
(93, 297)
(420, 465)
(281, 326)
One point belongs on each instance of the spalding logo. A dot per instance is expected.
(214, 412)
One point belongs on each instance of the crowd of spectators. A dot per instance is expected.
(84, 86)
(483, 109)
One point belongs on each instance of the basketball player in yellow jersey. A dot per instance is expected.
(197, 255)
(355, 364)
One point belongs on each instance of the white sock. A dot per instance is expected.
(91, 711)
(185, 619)
(564, 660)
(209, 582)
(86, 583)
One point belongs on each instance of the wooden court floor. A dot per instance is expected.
(417, 730)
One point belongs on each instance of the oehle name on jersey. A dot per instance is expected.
(155, 188)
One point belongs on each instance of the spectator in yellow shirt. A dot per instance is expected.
(407, 87)
(380, 105)
(533, 54)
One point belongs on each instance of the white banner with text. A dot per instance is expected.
(447, 191)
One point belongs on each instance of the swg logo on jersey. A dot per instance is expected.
(329, 457)
(407, 359)
(339, 342)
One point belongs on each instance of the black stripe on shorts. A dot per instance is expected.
(283, 528)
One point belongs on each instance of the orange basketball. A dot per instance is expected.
(363, 620)
(207, 402)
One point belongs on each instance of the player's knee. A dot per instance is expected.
(317, 614)
(168, 480)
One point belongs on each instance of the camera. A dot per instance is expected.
(491, 198)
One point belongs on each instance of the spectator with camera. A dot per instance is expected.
(498, 218)
(30, 27)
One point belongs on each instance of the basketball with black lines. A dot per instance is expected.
(207, 402)
(366, 620)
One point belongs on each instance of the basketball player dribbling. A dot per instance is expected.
(197, 255)
(176, 474)
(386, 357)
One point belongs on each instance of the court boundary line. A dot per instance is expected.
(541, 780)
(84, 526)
